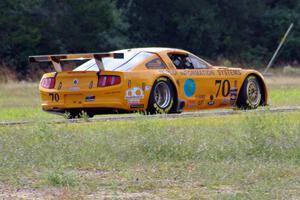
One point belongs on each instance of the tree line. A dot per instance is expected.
(242, 31)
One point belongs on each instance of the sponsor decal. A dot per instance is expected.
(59, 85)
(189, 87)
(74, 89)
(211, 102)
(134, 95)
(192, 104)
(199, 72)
(229, 72)
(202, 72)
(112, 92)
(133, 101)
(77, 102)
(75, 82)
(90, 98)
(225, 101)
(166, 110)
(169, 71)
(91, 85)
(233, 96)
(137, 106)
(200, 102)
(200, 99)
(129, 84)
(147, 88)
(235, 84)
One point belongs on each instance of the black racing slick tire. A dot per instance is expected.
(161, 98)
(250, 96)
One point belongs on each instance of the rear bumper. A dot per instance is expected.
(97, 101)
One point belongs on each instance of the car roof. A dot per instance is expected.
(158, 50)
(153, 50)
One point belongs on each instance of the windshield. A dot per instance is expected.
(130, 60)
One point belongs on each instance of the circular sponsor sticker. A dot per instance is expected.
(189, 87)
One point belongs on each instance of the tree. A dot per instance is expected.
(18, 33)
(241, 30)
(52, 26)
(244, 31)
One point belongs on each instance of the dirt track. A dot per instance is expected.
(169, 116)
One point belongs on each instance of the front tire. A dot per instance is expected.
(161, 99)
(250, 96)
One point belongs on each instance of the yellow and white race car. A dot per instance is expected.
(151, 80)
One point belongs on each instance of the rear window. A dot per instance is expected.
(130, 60)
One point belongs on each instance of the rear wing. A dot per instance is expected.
(56, 59)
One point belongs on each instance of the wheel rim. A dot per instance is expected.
(162, 94)
(253, 93)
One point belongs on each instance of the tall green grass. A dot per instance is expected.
(260, 136)
(245, 156)
(213, 150)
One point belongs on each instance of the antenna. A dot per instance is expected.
(279, 47)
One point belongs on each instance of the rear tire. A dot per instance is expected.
(250, 96)
(161, 99)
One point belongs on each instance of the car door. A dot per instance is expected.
(206, 76)
(194, 78)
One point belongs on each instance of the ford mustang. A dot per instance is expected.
(149, 80)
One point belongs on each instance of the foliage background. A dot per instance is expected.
(246, 32)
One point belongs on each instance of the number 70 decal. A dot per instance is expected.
(54, 97)
(224, 85)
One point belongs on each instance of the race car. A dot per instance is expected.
(148, 80)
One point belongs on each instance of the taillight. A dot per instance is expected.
(108, 80)
(48, 83)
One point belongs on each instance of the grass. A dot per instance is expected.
(237, 157)
(61, 178)
(284, 91)
(19, 101)
(247, 156)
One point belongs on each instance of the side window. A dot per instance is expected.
(197, 63)
(156, 63)
(181, 61)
